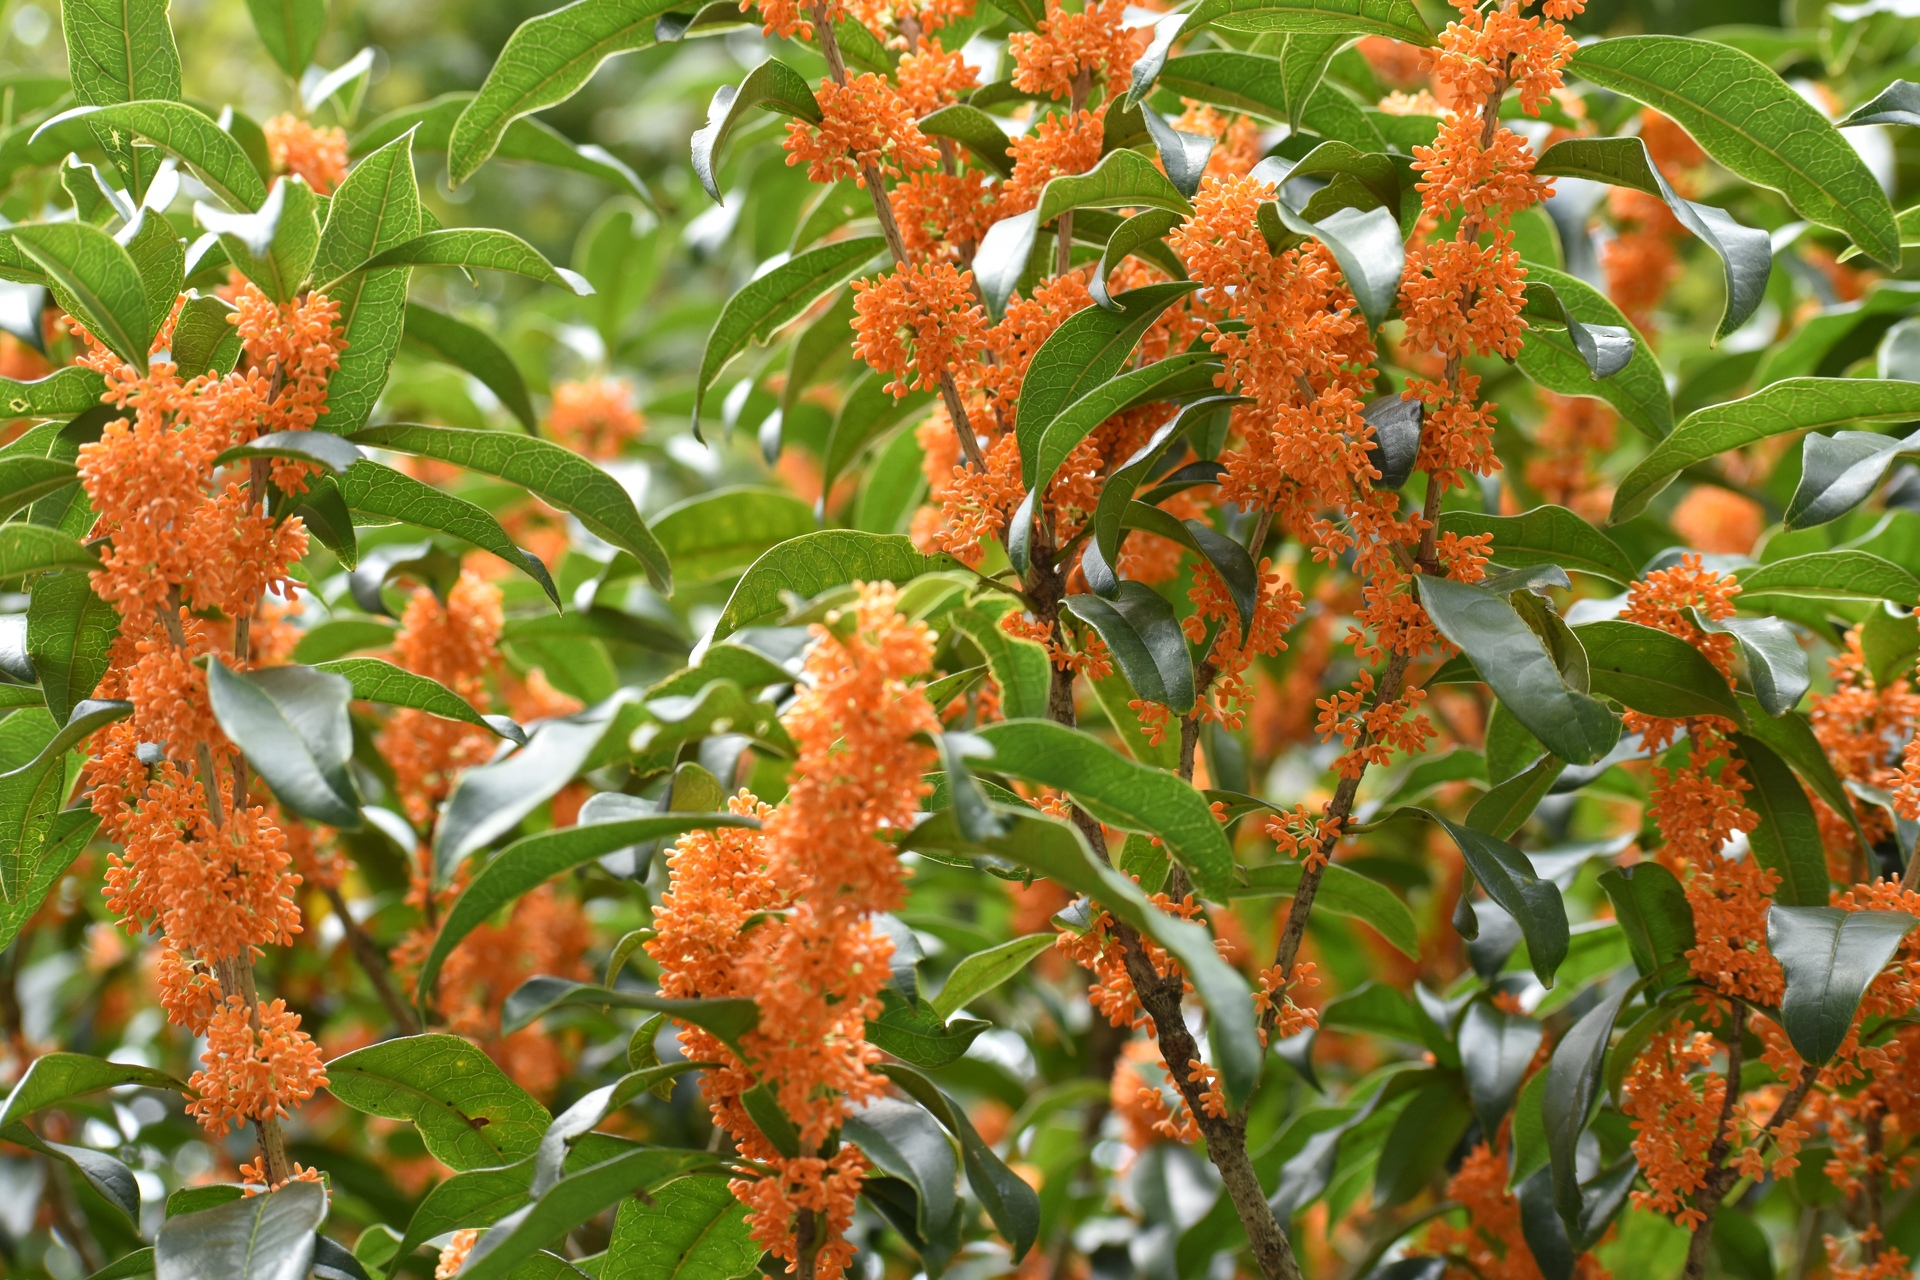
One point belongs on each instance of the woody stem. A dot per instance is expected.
(896, 243)
(1063, 250)
(1713, 1187)
(236, 978)
(373, 963)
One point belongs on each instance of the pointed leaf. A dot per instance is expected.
(475, 351)
(376, 208)
(1851, 575)
(478, 248)
(1830, 957)
(264, 1237)
(291, 724)
(1089, 348)
(1510, 880)
(690, 1229)
(188, 135)
(1546, 535)
(808, 565)
(1140, 629)
(290, 29)
(93, 277)
(469, 1113)
(121, 51)
(772, 86)
(1395, 19)
(376, 489)
(1572, 1089)
(1841, 471)
(54, 1078)
(1654, 672)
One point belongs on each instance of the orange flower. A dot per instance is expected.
(1718, 521)
(454, 1255)
(942, 210)
(597, 418)
(317, 155)
(254, 1072)
(1070, 45)
(1055, 146)
(920, 318)
(866, 125)
(931, 78)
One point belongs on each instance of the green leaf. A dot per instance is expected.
(1516, 665)
(1567, 1101)
(1753, 123)
(106, 1175)
(1275, 89)
(716, 534)
(546, 60)
(1546, 535)
(375, 680)
(469, 1113)
(161, 257)
(290, 29)
(121, 51)
(1852, 575)
(1829, 957)
(1345, 892)
(1655, 672)
(1167, 379)
(1506, 808)
(264, 1237)
(318, 447)
(1118, 792)
(983, 971)
(1776, 665)
(1496, 1048)
(1366, 243)
(376, 208)
(1654, 914)
(1509, 879)
(475, 351)
(1604, 349)
(189, 135)
(1089, 348)
(68, 835)
(203, 340)
(54, 1078)
(571, 1201)
(690, 1229)
(1056, 850)
(95, 280)
(777, 298)
(31, 548)
(1395, 19)
(64, 393)
(911, 1031)
(376, 489)
(535, 859)
(1020, 667)
(1141, 234)
(975, 130)
(491, 799)
(291, 723)
(728, 1017)
(24, 479)
(1117, 493)
(552, 473)
(1796, 404)
(1787, 841)
(1007, 1198)
(1147, 641)
(527, 140)
(1889, 640)
(31, 793)
(480, 248)
(807, 565)
(1638, 391)
(1841, 471)
(772, 86)
(1746, 253)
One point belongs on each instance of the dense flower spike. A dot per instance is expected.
(596, 418)
(867, 128)
(919, 320)
(781, 914)
(316, 155)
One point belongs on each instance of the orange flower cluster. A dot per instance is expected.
(1274, 613)
(189, 554)
(1573, 433)
(780, 915)
(453, 642)
(931, 78)
(866, 125)
(1149, 1107)
(319, 156)
(1057, 145)
(595, 418)
(919, 319)
(1860, 726)
(1675, 1107)
(1099, 951)
(1072, 47)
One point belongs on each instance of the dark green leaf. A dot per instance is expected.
(68, 835)
(1162, 380)
(690, 1229)
(24, 479)
(1572, 1089)
(1496, 1048)
(1776, 665)
(1654, 914)
(1510, 880)
(55, 1078)
(1366, 243)
(1345, 892)
(375, 680)
(203, 340)
(913, 1032)
(468, 1112)
(477, 248)
(983, 971)
(1841, 471)
(30, 794)
(377, 489)
(318, 447)
(1020, 667)
(291, 723)
(1007, 1198)
(716, 534)
(96, 280)
(472, 350)
(1829, 957)
(1546, 535)
(1787, 841)
(1752, 122)
(264, 1237)
(1834, 574)
(901, 1139)
(527, 140)
(1605, 349)
(1654, 672)
(31, 548)
(726, 1017)
(1506, 808)
(1089, 348)
(975, 130)
(808, 565)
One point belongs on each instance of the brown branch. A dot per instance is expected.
(235, 974)
(1719, 1179)
(373, 962)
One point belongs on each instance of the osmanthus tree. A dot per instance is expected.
(1127, 706)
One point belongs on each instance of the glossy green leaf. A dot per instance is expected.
(1516, 665)
(911, 1031)
(728, 1017)
(1796, 404)
(1745, 253)
(1510, 880)
(690, 1229)
(1846, 575)
(64, 393)
(1506, 807)
(472, 350)
(983, 971)
(1496, 1048)
(1841, 471)
(526, 140)
(1890, 642)
(1395, 19)
(772, 86)
(777, 298)
(1344, 892)
(807, 565)
(1020, 667)
(187, 134)
(1088, 349)
(535, 859)
(556, 475)
(1749, 120)
(1006, 1197)
(275, 247)
(469, 1113)
(546, 60)
(1546, 535)
(290, 29)
(1655, 672)
(68, 834)
(376, 489)
(318, 447)
(720, 532)
(975, 130)
(1787, 842)
(264, 1237)
(55, 1078)
(1166, 379)
(30, 794)
(376, 680)
(25, 479)
(1775, 664)
(1829, 957)
(1366, 243)
(1118, 792)
(1056, 850)
(121, 51)
(291, 723)
(1142, 632)
(375, 209)
(1654, 914)
(95, 279)
(477, 248)
(1572, 1089)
